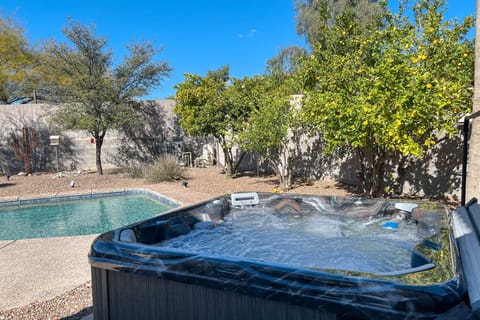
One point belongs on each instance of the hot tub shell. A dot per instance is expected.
(132, 278)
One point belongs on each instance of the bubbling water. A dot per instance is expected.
(305, 239)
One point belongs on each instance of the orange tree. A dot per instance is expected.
(391, 87)
(271, 124)
(216, 105)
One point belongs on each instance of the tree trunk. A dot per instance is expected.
(286, 172)
(238, 162)
(231, 167)
(98, 154)
(227, 152)
(365, 173)
(378, 179)
(278, 168)
(279, 162)
(473, 167)
(372, 174)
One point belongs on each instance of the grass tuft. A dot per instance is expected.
(165, 168)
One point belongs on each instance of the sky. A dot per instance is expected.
(196, 36)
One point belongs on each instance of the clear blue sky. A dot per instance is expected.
(197, 36)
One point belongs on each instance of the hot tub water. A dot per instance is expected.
(313, 240)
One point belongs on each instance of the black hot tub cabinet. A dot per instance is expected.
(348, 267)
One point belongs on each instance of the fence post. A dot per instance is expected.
(466, 125)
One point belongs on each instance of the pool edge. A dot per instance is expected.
(19, 200)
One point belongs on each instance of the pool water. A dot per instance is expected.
(76, 217)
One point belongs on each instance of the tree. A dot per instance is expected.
(93, 94)
(286, 63)
(17, 62)
(390, 87)
(213, 105)
(315, 17)
(473, 172)
(270, 125)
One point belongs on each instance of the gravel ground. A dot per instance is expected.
(71, 305)
(206, 180)
(77, 303)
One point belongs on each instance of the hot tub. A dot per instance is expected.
(271, 256)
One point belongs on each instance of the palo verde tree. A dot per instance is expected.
(393, 86)
(17, 65)
(94, 95)
(212, 105)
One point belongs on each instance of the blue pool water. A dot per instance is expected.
(59, 218)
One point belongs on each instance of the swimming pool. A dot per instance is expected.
(77, 215)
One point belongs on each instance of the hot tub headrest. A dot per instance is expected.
(242, 199)
(127, 235)
(405, 206)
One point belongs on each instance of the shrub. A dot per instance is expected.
(165, 168)
(135, 172)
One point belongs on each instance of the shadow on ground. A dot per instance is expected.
(350, 188)
(80, 314)
(7, 184)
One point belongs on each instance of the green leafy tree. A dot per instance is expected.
(270, 125)
(286, 63)
(315, 17)
(93, 94)
(213, 105)
(389, 87)
(17, 65)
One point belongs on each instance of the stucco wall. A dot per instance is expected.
(437, 174)
(76, 150)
